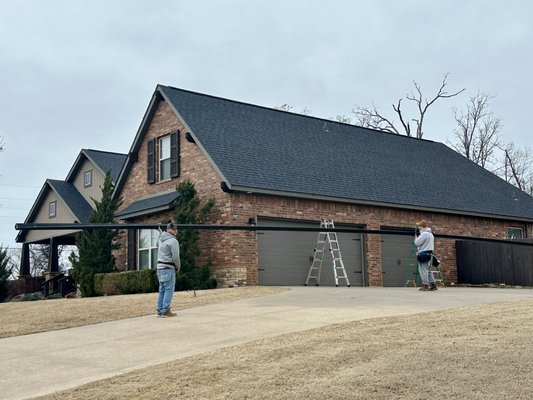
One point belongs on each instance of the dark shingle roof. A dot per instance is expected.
(73, 199)
(149, 205)
(103, 160)
(107, 161)
(265, 149)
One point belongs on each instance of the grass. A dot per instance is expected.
(481, 352)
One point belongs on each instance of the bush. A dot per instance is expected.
(95, 246)
(54, 296)
(127, 282)
(32, 296)
(192, 276)
(198, 279)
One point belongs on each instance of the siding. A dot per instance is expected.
(63, 215)
(94, 190)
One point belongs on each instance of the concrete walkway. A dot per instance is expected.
(46, 362)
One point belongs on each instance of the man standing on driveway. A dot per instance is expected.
(168, 264)
(425, 246)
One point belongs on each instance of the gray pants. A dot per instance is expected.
(424, 269)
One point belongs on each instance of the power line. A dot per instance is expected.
(24, 186)
(15, 198)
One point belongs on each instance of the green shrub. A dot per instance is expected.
(197, 279)
(188, 211)
(95, 246)
(54, 296)
(32, 296)
(127, 282)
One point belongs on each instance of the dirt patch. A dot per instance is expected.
(479, 352)
(26, 317)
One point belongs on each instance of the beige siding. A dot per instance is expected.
(94, 191)
(63, 215)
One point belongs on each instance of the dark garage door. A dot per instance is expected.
(285, 257)
(397, 259)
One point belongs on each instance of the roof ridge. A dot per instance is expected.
(293, 113)
(105, 151)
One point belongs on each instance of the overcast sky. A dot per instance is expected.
(80, 74)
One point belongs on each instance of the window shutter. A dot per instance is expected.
(175, 154)
(132, 249)
(151, 161)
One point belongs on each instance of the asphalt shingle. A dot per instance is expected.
(262, 148)
(81, 209)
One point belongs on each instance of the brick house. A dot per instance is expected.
(272, 167)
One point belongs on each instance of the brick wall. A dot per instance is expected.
(235, 254)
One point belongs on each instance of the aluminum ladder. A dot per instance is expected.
(339, 271)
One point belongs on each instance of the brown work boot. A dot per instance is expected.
(433, 286)
(424, 288)
(168, 314)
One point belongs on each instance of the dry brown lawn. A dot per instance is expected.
(478, 352)
(22, 318)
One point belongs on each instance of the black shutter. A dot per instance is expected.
(175, 154)
(151, 161)
(132, 249)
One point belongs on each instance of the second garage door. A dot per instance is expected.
(397, 259)
(285, 256)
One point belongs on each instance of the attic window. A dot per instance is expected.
(515, 233)
(52, 209)
(88, 178)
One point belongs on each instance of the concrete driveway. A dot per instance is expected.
(42, 363)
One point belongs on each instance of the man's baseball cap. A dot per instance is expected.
(171, 225)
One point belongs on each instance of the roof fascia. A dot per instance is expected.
(141, 213)
(76, 166)
(139, 136)
(36, 205)
(250, 190)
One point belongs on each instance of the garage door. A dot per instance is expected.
(285, 257)
(397, 259)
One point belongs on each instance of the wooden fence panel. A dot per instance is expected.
(484, 263)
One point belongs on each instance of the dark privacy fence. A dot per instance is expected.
(483, 262)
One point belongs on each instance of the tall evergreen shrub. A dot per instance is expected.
(95, 246)
(188, 211)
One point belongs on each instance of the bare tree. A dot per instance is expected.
(344, 119)
(372, 118)
(518, 167)
(39, 254)
(289, 108)
(478, 130)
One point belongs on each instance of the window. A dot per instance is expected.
(148, 248)
(52, 209)
(164, 158)
(515, 233)
(88, 178)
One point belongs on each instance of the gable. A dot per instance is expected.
(70, 207)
